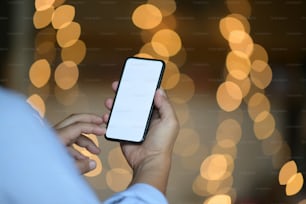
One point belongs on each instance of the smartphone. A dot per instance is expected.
(133, 103)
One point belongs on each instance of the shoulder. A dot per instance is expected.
(10, 100)
(15, 109)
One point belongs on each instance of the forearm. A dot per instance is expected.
(153, 171)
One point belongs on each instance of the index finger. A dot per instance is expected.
(84, 118)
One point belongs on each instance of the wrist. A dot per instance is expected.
(153, 170)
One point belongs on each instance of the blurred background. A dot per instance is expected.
(235, 74)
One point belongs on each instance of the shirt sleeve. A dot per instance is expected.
(138, 194)
(35, 166)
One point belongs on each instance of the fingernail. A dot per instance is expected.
(162, 92)
(92, 164)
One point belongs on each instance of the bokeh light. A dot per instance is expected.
(68, 35)
(117, 160)
(171, 41)
(272, 144)
(42, 18)
(171, 76)
(257, 104)
(219, 199)
(228, 133)
(144, 55)
(66, 75)
(63, 16)
(182, 112)
(118, 179)
(214, 167)
(294, 184)
(67, 97)
(264, 125)
(229, 96)
(241, 41)
(57, 3)
(41, 5)
(242, 7)
(147, 16)
(183, 91)
(261, 74)
(230, 24)
(238, 64)
(287, 171)
(40, 73)
(98, 170)
(167, 7)
(282, 156)
(187, 143)
(231, 151)
(199, 186)
(244, 84)
(99, 167)
(180, 58)
(38, 104)
(75, 53)
(259, 53)
(147, 49)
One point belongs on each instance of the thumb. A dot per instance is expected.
(86, 165)
(163, 105)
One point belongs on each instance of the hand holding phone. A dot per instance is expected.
(133, 104)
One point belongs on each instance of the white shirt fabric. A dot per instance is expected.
(35, 167)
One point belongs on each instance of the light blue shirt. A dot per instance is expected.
(35, 167)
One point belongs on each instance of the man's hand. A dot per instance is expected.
(71, 131)
(151, 159)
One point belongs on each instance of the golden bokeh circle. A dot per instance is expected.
(183, 91)
(169, 39)
(242, 7)
(295, 184)
(271, 145)
(264, 125)
(42, 18)
(214, 167)
(38, 104)
(41, 5)
(75, 53)
(261, 74)
(40, 73)
(147, 16)
(288, 170)
(63, 16)
(147, 49)
(117, 160)
(244, 84)
(238, 64)
(259, 53)
(257, 104)
(228, 133)
(118, 179)
(229, 24)
(166, 7)
(219, 199)
(241, 41)
(187, 143)
(229, 96)
(99, 167)
(171, 76)
(68, 35)
(66, 75)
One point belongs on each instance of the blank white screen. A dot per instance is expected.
(134, 99)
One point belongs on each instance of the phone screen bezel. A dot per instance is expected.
(147, 123)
